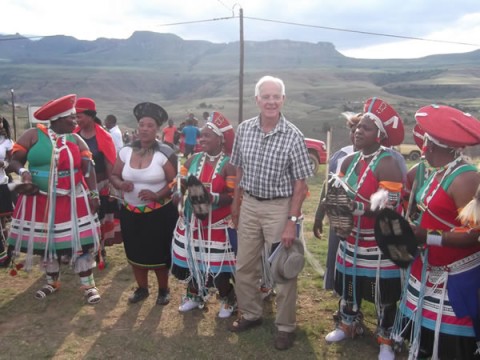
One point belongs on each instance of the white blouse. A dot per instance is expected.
(5, 145)
(150, 178)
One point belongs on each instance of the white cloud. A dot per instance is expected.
(466, 30)
(91, 19)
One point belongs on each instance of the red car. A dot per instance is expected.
(317, 152)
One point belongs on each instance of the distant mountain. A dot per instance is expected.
(145, 49)
(186, 75)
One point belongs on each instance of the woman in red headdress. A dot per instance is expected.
(362, 270)
(100, 143)
(440, 306)
(55, 214)
(204, 239)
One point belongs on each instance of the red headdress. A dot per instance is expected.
(222, 127)
(55, 109)
(449, 126)
(387, 120)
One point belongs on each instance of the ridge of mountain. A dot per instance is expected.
(194, 76)
(145, 48)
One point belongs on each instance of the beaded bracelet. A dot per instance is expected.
(434, 238)
(93, 194)
(358, 208)
(22, 170)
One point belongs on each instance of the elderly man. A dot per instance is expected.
(272, 166)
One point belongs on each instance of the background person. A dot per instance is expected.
(202, 248)
(114, 130)
(191, 133)
(6, 197)
(272, 166)
(334, 166)
(206, 117)
(168, 134)
(362, 271)
(191, 117)
(126, 138)
(61, 218)
(100, 143)
(148, 216)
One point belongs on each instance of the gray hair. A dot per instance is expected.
(269, 78)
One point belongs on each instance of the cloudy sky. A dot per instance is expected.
(351, 25)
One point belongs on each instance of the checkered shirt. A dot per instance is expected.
(270, 162)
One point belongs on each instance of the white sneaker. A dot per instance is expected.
(188, 304)
(336, 335)
(226, 310)
(386, 352)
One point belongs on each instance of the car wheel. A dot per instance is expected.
(313, 162)
(414, 156)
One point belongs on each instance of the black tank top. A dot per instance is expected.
(98, 157)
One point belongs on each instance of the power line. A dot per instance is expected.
(360, 32)
(281, 22)
(228, 8)
(197, 21)
(20, 37)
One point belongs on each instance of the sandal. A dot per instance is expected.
(45, 291)
(92, 295)
(242, 324)
(163, 297)
(138, 295)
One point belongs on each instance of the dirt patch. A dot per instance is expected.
(63, 326)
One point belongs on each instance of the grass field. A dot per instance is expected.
(64, 327)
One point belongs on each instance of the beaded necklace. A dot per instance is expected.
(447, 169)
(220, 156)
(212, 158)
(55, 149)
(52, 195)
(374, 157)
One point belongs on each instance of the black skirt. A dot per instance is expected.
(147, 237)
(390, 289)
(6, 200)
(449, 346)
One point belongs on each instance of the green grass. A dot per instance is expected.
(64, 327)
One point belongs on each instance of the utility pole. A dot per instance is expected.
(13, 115)
(240, 77)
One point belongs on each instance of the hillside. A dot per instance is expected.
(185, 76)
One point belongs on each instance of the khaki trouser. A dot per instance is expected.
(260, 222)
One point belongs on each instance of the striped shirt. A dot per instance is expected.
(270, 162)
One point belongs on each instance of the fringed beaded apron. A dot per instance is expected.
(438, 272)
(362, 271)
(58, 220)
(202, 248)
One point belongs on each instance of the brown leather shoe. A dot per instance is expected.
(284, 340)
(242, 324)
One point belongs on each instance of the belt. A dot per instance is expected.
(264, 199)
